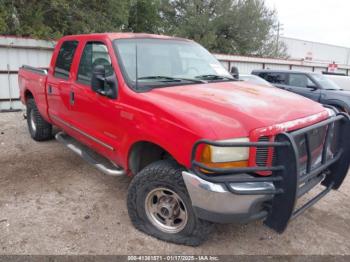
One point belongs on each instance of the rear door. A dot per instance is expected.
(59, 84)
(303, 85)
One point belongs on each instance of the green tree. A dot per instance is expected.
(3, 17)
(192, 19)
(244, 27)
(144, 16)
(54, 18)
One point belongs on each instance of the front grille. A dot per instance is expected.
(262, 152)
(316, 140)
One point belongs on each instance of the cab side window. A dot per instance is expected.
(300, 80)
(276, 78)
(64, 59)
(95, 53)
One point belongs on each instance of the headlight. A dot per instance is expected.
(226, 157)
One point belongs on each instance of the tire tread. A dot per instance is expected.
(164, 171)
(43, 128)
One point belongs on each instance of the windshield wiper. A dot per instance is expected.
(215, 77)
(170, 79)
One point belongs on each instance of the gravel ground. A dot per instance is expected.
(52, 202)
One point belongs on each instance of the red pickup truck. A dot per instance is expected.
(201, 146)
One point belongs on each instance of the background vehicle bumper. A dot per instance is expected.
(215, 202)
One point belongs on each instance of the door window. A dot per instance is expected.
(95, 53)
(275, 78)
(64, 59)
(300, 80)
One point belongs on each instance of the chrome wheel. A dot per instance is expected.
(32, 121)
(166, 210)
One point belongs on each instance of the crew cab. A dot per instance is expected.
(312, 85)
(201, 146)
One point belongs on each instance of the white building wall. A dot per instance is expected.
(246, 67)
(319, 52)
(277, 66)
(302, 68)
(246, 64)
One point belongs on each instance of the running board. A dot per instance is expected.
(95, 159)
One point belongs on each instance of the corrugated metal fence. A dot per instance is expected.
(14, 52)
(247, 64)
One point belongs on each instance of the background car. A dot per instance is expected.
(309, 84)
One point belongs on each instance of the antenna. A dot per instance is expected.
(136, 66)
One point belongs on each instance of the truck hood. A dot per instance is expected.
(230, 109)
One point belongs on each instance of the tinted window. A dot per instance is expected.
(300, 80)
(94, 54)
(275, 78)
(64, 59)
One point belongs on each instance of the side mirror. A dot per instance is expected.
(98, 78)
(106, 86)
(234, 72)
(312, 87)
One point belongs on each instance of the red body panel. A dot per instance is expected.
(173, 118)
(36, 84)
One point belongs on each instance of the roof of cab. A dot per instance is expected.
(114, 36)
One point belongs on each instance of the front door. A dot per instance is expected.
(303, 85)
(96, 116)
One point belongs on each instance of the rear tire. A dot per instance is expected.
(165, 176)
(39, 128)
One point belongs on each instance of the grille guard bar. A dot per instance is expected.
(286, 175)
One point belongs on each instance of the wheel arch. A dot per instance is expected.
(143, 153)
(28, 94)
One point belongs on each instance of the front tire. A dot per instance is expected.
(39, 128)
(159, 205)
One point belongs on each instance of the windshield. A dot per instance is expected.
(342, 81)
(162, 63)
(326, 83)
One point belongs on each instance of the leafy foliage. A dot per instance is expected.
(245, 27)
(55, 18)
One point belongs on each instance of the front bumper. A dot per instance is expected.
(239, 195)
(217, 203)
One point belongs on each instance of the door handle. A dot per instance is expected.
(49, 90)
(71, 98)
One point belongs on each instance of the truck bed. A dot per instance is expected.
(34, 79)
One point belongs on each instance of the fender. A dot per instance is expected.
(178, 147)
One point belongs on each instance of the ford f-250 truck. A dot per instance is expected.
(201, 146)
